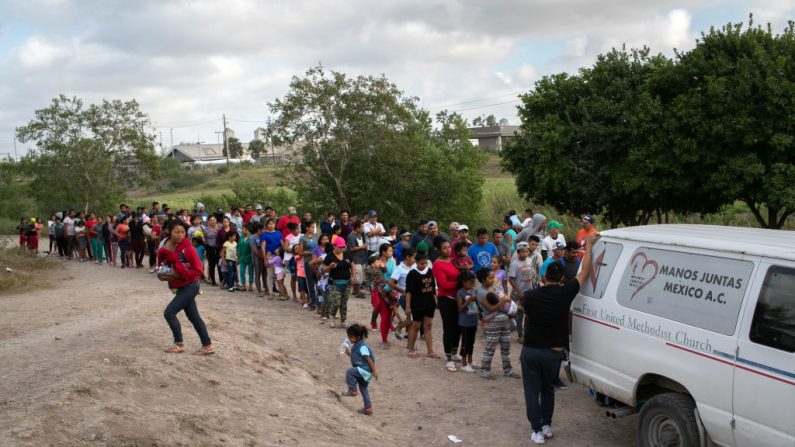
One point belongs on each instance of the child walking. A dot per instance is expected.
(362, 368)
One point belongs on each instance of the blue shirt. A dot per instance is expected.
(546, 264)
(469, 316)
(273, 240)
(481, 256)
(358, 353)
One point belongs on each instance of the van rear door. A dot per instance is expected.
(764, 383)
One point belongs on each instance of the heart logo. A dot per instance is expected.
(595, 267)
(646, 263)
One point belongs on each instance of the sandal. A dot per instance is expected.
(434, 355)
(176, 349)
(205, 350)
(412, 354)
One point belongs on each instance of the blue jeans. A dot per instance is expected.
(185, 299)
(230, 277)
(539, 368)
(353, 377)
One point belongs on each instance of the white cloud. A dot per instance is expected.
(188, 61)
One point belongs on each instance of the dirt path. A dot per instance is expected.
(83, 365)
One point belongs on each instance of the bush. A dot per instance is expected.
(23, 264)
(223, 169)
(253, 192)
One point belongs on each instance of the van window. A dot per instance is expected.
(603, 261)
(774, 318)
(702, 291)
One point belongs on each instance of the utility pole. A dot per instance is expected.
(226, 140)
(15, 149)
(172, 137)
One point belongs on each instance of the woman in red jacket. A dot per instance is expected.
(185, 267)
(446, 275)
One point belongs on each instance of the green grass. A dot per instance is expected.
(23, 266)
(202, 182)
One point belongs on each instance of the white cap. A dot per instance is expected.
(199, 205)
(463, 227)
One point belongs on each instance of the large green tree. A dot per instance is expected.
(88, 156)
(360, 143)
(594, 142)
(737, 106)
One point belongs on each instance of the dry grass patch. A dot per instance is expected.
(20, 269)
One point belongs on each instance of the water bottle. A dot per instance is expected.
(344, 346)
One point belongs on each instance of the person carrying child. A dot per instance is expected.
(362, 369)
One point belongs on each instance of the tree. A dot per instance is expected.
(481, 121)
(737, 107)
(235, 148)
(88, 155)
(361, 143)
(256, 148)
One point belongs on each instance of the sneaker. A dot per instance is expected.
(451, 367)
(332, 322)
(486, 375)
(468, 369)
(559, 384)
(456, 358)
(306, 305)
(349, 393)
(398, 336)
(151, 270)
(512, 375)
(547, 432)
(537, 437)
(231, 289)
(366, 411)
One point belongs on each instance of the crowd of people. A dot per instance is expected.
(519, 278)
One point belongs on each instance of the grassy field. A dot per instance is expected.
(499, 195)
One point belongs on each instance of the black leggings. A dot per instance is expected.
(451, 332)
(212, 262)
(185, 299)
(467, 340)
(152, 251)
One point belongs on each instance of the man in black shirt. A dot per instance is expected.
(546, 336)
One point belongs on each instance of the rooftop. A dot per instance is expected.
(750, 241)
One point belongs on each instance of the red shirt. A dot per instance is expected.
(446, 275)
(281, 225)
(89, 226)
(185, 261)
(247, 216)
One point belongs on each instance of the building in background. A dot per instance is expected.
(259, 134)
(493, 138)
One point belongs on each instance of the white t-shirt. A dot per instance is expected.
(399, 275)
(527, 222)
(525, 272)
(548, 243)
(69, 226)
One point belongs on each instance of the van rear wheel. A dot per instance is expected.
(668, 420)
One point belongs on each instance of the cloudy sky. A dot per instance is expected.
(187, 62)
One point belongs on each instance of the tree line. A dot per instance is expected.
(638, 135)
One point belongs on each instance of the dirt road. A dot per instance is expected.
(83, 364)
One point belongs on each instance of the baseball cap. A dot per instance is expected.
(199, 205)
(291, 210)
(589, 218)
(521, 245)
(422, 246)
(339, 242)
(405, 234)
(258, 207)
(432, 223)
(372, 213)
(560, 246)
(554, 224)
(463, 227)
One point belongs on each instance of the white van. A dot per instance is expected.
(694, 326)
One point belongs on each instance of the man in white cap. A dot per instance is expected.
(201, 212)
(260, 214)
(374, 232)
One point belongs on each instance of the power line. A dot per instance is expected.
(477, 100)
(184, 123)
(488, 105)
